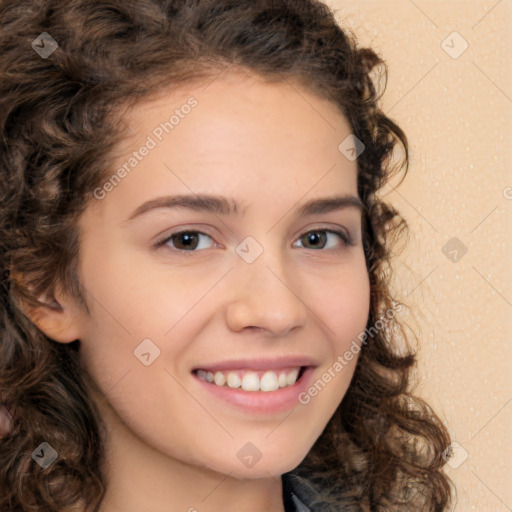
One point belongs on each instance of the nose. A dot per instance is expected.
(266, 295)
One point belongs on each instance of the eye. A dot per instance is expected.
(187, 241)
(319, 237)
(192, 241)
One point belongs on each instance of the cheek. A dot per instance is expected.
(131, 296)
(344, 304)
(139, 314)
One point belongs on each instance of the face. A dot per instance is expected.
(248, 288)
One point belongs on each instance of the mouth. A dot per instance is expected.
(256, 385)
(252, 380)
(255, 391)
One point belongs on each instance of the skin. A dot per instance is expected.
(171, 445)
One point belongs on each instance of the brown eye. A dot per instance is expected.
(185, 241)
(318, 239)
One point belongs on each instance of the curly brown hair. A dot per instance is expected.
(59, 118)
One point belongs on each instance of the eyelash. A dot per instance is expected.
(347, 241)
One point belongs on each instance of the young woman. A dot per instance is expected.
(195, 303)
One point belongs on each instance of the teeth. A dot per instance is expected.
(291, 378)
(250, 381)
(219, 379)
(234, 381)
(269, 382)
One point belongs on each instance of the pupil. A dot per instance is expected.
(188, 239)
(314, 237)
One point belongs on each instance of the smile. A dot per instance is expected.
(269, 387)
(250, 380)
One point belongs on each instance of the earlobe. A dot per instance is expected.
(59, 320)
(57, 315)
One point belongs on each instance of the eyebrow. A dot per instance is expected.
(222, 206)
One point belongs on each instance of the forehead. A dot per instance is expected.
(236, 105)
(243, 136)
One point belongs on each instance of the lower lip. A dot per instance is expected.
(261, 402)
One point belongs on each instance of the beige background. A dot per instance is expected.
(457, 112)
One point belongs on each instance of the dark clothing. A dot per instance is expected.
(295, 496)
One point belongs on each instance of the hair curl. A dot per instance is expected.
(60, 122)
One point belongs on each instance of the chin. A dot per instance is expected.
(271, 467)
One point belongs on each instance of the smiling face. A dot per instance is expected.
(270, 286)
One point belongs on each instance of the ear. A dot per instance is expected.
(58, 317)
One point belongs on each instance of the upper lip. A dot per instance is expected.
(278, 363)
